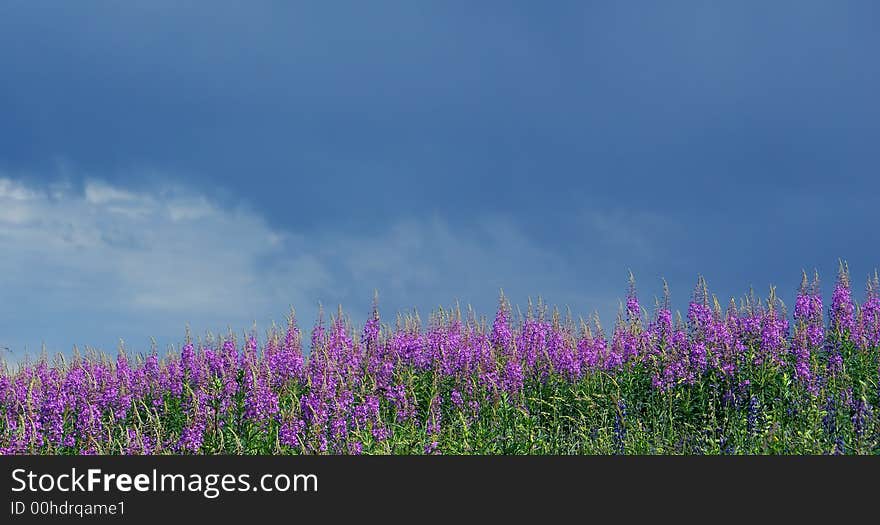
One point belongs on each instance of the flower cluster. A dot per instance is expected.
(440, 387)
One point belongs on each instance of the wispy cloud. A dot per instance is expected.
(105, 255)
(638, 234)
(92, 263)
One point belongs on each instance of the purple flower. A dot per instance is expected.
(192, 437)
(633, 310)
(869, 320)
(501, 335)
(381, 433)
(292, 432)
(842, 308)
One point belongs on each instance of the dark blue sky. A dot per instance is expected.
(435, 151)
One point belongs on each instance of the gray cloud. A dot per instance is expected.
(93, 264)
(124, 258)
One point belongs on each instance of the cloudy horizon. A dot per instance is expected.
(159, 167)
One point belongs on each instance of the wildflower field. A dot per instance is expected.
(746, 378)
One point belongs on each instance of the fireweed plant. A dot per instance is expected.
(744, 379)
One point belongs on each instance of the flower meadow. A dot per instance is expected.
(746, 378)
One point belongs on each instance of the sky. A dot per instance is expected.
(215, 164)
